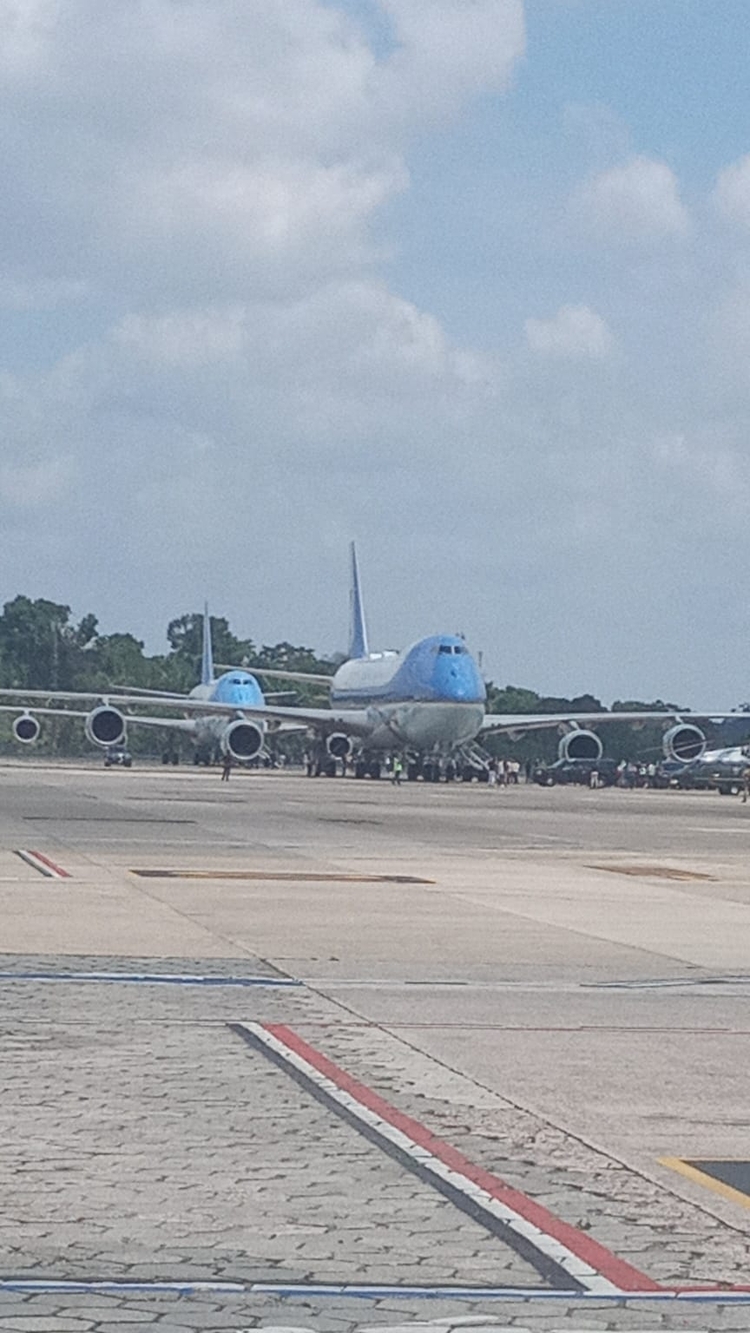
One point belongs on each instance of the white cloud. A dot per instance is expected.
(268, 224)
(25, 27)
(445, 49)
(223, 145)
(184, 338)
(638, 201)
(732, 192)
(575, 331)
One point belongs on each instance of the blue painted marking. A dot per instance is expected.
(366, 1292)
(149, 978)
(39, 1285)
(494, 1293)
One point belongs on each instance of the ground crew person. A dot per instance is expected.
(397, 769)
(745, 784)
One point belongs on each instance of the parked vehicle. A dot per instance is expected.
(117, 755)
(720, 770)
(566, 771)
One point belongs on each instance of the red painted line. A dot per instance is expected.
(617, 1271)
(58, 870)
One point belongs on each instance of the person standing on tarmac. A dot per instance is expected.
(397, 769)
(745, 784)
(226, 768)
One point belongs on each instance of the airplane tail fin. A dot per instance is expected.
(358, 639)
(207, 660)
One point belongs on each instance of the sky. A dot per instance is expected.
(467, 281)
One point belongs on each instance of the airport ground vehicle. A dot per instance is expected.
(117, 756)
(576, 771)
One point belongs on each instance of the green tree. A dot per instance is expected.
(39, 648)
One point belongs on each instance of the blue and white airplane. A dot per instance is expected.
(428, 703)
(215, 712)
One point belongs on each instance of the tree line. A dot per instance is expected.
(42, 648)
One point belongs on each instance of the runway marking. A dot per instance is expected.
(693, 1171)
(655, 872)
(697, 828)
(292, 876)
(558, 1251)
(151, 978)
(102, 819)
(738, 979)
(38, 861)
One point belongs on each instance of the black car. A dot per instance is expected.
(567, 771)
(673, 773)
(723, 775)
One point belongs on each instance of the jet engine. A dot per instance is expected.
(105, 726)
(684, 742)
(580, 744)
(241, 741)
(26, 729)
(339, 745)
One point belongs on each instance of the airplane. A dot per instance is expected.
(213, 731)
(428, 702)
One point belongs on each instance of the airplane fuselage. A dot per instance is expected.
(240, 690)
(429, 697)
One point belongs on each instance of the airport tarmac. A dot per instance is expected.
(335, 1055)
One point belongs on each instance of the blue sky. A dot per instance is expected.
(467, 280)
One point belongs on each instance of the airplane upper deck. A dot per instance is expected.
(438, 668)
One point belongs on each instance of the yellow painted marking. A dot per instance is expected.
(709, 1182)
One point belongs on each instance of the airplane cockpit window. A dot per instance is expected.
(445, 648)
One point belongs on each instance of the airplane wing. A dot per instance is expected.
(305, 677)
(521, 722)
(176, 723)
(147, 694)
(352, 720)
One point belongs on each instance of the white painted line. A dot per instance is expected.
(42, 863)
